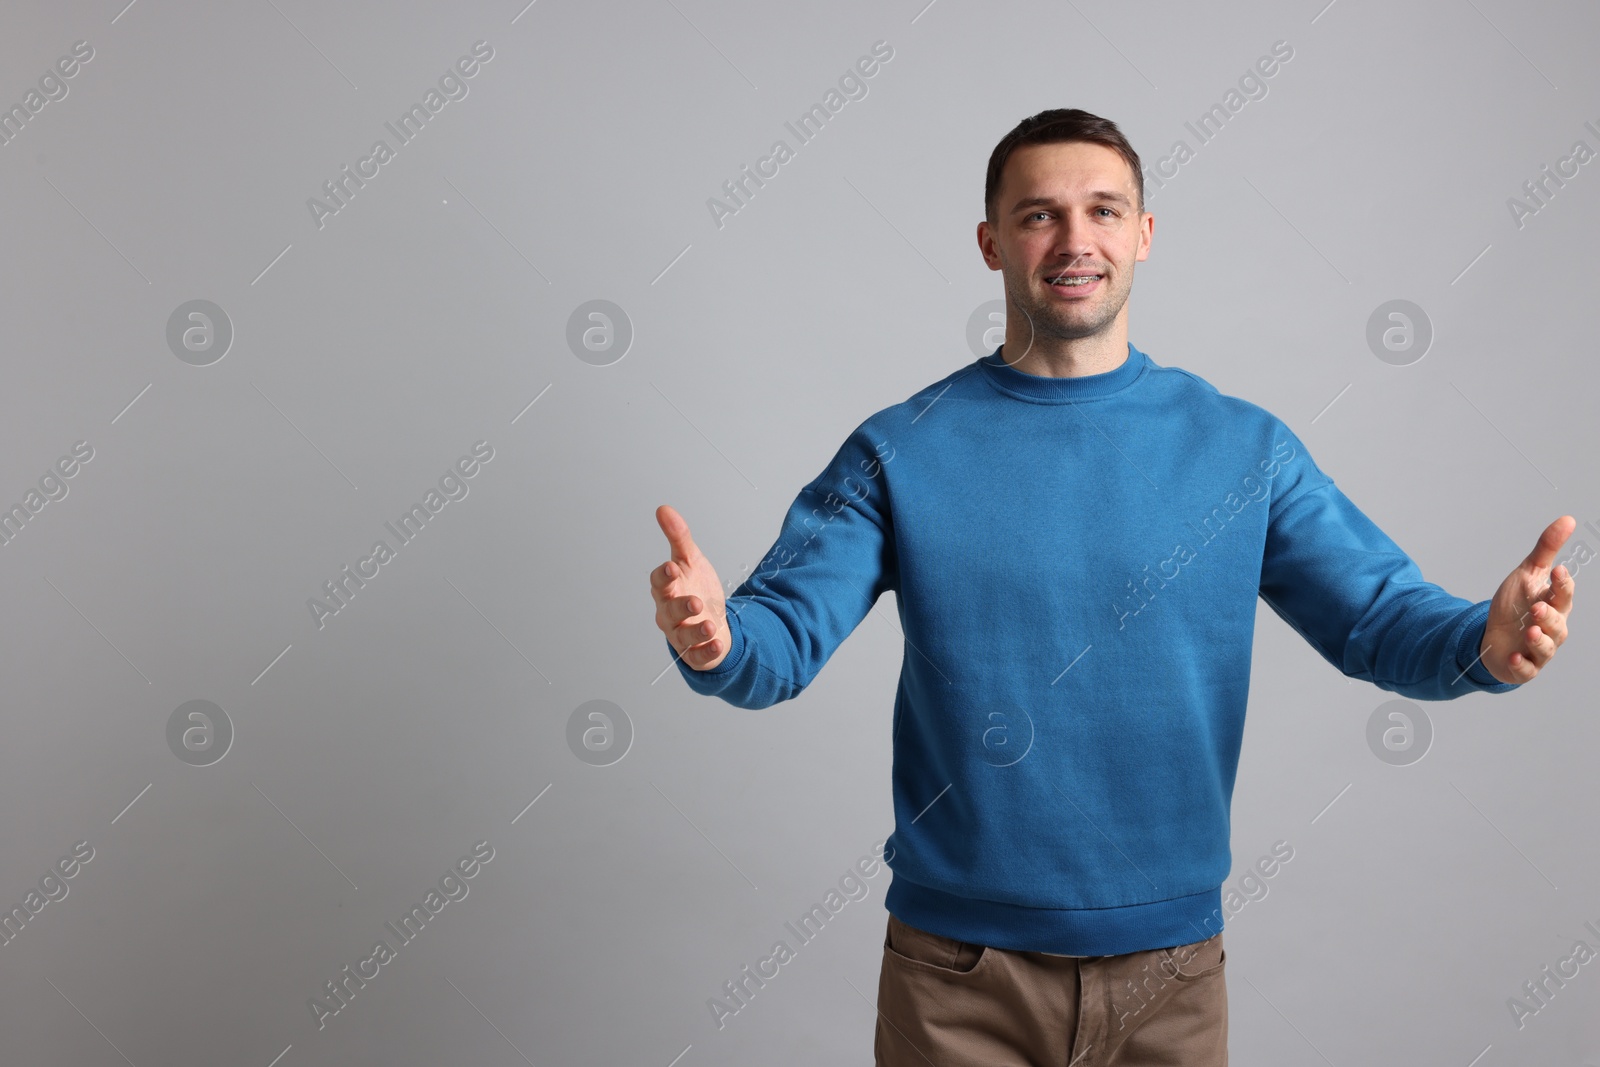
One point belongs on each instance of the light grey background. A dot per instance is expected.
(368, 355)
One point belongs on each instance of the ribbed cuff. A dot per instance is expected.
(1467, 658)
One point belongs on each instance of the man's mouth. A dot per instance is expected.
(1068, 280)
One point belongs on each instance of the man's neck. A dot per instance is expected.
(1067, 357)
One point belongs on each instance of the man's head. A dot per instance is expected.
(1064, 197)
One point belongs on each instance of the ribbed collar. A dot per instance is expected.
(1043, 389)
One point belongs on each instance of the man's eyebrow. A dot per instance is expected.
(1046, 201)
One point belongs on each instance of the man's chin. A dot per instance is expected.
(1069, 324)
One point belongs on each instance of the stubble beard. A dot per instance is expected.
(1051, 319)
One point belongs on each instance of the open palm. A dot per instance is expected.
(690, 607)
(1528, 615)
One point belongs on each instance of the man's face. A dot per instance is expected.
(1070, 209)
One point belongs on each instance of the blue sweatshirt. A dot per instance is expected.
(1076, 563)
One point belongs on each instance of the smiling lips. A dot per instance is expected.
(1075, 281)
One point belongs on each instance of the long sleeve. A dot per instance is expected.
(1361, 602)
(833, 558)
(1016, 503)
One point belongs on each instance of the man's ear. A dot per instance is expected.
(1146, 239)
(992, 259)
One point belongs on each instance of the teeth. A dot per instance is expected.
(1076, 281)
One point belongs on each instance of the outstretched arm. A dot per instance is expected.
(765, 641)
(1363, 604)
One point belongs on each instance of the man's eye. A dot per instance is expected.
(1105, 209)
(1036, 214)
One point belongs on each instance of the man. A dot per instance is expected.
(1076, 536)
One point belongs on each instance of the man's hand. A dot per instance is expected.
(690, 608)
(1528, 615)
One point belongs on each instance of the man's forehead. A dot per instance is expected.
(1069, 172)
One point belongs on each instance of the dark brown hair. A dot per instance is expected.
(1051, 127)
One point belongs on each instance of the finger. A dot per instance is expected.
(1555, 535)
(677, 531)
(1563, 585)
(703, 653)
(691, 638)
(1537, 646)
(701, 623)
(663, 577)
(697, 631)
(1521, 667)
(660, 579)
(681, 609)
(685, 621)
(683, 637)
(1551, 622)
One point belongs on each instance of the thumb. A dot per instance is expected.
(677, 531)
(1550, 541)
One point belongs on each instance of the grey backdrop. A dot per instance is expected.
(372, 347)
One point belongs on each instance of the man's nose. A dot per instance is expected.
(1075, 242)
(1069, 254)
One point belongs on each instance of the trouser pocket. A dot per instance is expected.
(916, 947)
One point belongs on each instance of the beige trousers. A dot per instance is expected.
(949, 1003)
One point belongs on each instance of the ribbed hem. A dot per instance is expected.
(1064, 931)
